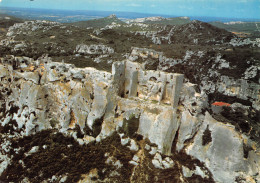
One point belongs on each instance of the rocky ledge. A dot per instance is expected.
(59, 123)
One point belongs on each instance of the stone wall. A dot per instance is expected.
(156, 86)
(145, 53)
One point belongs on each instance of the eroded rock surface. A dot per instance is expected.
(147, 126)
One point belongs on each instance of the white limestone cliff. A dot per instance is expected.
(157, 105)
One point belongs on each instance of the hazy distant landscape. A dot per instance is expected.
(236, 25)
(66, 16)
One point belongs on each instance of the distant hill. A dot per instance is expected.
(171, 21)
(176, 21)
(98, 23)
(199, 31)
(7, 20)
(162, 20)
(243, 29)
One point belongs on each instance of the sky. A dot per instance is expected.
(209, 8)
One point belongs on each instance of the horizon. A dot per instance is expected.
(239, 9)
(121, 14)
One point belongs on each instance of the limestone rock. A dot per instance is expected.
(124, 141)
(188, 127)
(154, 127)
(91, 105)
(94, 49)
(29, 76)
(147, 147)
(187, 172)
(251, 72)
(153, 151)
(99, 103)
(87, 139)
(167, 163)
(33, 150)
(200, 172)
(157, 161)
(223, 155)
(133, 145)
(133, 163)
(3, 71)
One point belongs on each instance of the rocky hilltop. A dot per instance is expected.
(99, 23)
(135, 102)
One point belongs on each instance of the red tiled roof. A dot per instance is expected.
(221, 104)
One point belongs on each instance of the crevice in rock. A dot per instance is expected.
(206, 138)
(78, 131)
(130, 126)
(174, 142)
(97, 126)
(91, 96)
(246, 150)
(87, 130)
(3, 112)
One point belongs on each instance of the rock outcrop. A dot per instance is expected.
(39, 95)
(44, 91)
(93, 49)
